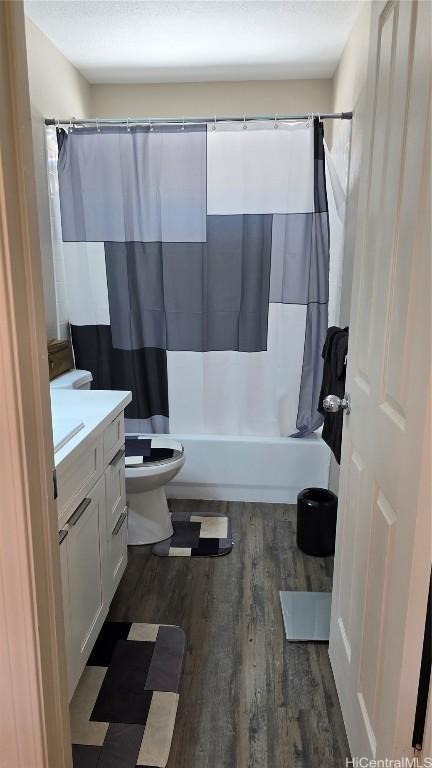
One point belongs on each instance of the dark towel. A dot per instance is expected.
(334, 353)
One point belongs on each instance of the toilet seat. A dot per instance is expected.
(144, 452)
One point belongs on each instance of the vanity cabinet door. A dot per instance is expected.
(64, 570)
(115, 489)
(117, 553)
(116, 522)
(87, 562)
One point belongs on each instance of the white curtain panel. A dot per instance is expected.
(260, 169)
(60, 280)
(241, 393)
(87, 283)
(337, 172)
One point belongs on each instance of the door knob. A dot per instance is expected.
(333, 403)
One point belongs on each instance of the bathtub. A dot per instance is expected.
(247, 468)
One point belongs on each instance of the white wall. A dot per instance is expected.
(350, 75)
(205, 99)
(349, 92)
(56, 89)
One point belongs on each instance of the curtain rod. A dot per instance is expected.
(131, 121)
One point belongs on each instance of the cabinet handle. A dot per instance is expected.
(119, 523)
(62, 535)
(119, 455)
(79, 512)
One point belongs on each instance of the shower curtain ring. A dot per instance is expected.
(97, 125)
(214, 124)
(70, 129)
(127, 125)
(276, 125)
(150, 125)
(244, 122)
(183, 124)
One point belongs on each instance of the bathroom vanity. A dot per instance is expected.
(92, 514)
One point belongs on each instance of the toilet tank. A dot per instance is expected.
(75, 379)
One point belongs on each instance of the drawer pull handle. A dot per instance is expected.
(62, 535)
(119, 523)
(79, 512)
(119, 455)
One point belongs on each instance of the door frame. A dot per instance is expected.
(34, 717)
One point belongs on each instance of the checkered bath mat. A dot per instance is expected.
(196, 535)
(124, 708)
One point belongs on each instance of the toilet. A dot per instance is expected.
(74, 379)
(151, 462)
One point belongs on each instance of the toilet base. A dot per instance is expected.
(149, 519)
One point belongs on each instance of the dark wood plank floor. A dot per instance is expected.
(249, 699)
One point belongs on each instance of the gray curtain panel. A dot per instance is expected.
(140, 185)
(178, 279)
(308, 417)
(196, 297)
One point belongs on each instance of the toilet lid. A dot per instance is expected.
(141, 449)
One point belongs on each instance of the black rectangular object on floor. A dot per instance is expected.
(424, 679)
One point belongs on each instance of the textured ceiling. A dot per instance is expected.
(127, 42)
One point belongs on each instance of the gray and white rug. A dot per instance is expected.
(197, 535)
(124, 708)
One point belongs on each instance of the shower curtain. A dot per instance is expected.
(197, 271)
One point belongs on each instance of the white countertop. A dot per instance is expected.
(64, 428)
(95, 408)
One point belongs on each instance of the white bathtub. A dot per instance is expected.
(272, 469)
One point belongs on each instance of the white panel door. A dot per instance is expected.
(383, 548)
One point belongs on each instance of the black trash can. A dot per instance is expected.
(316, 521)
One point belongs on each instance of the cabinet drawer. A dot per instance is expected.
(113, 438)
(76, 479)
